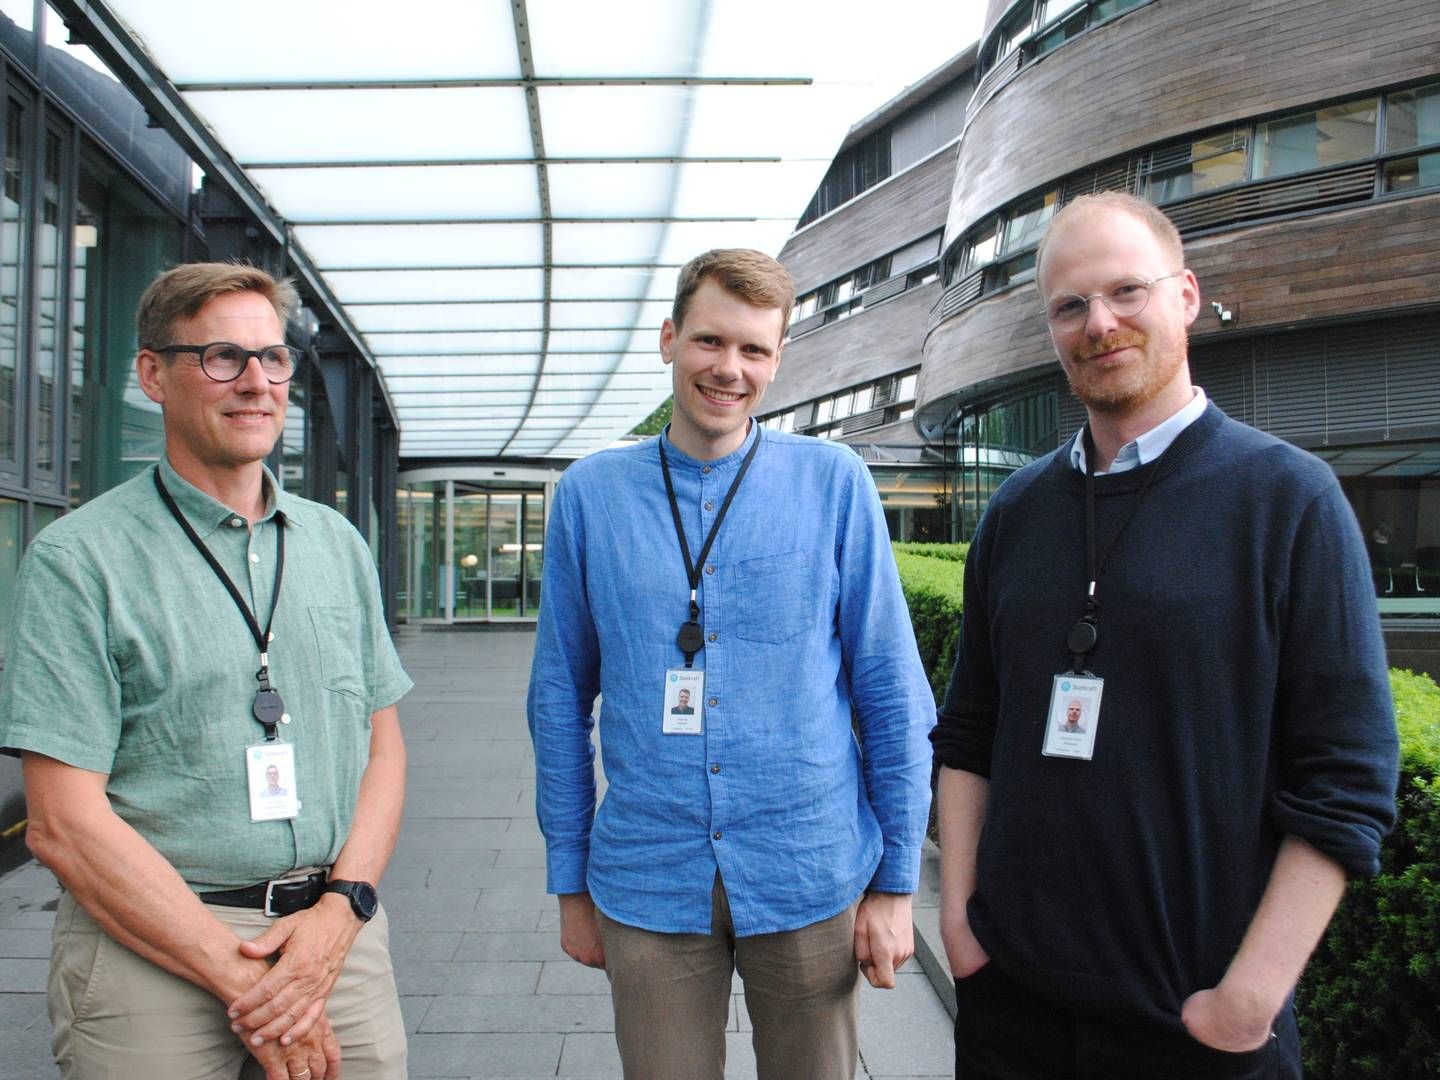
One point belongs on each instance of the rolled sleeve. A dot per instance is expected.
(1337, 738)
(889, 691)
(564, 683)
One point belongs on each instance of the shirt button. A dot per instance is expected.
(705, 468)
(717, 834)
(714, 701)
(710, 569)
(714, 637)
(254, 557)
(714, 768)
(709, 506)
(235, 523)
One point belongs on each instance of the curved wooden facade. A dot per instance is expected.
(1162, 71)
(1173, 67)
(1365, 261)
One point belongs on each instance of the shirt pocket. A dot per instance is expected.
(771, 597)
(339, 645)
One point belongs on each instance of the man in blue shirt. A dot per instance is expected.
(746, 569)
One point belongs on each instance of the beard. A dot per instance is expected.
(1120, 391)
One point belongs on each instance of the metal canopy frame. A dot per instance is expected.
(714, 129)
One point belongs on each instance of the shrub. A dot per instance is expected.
(1369, 1002)
(950, 552)
(934, 590)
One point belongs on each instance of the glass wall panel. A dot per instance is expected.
(1313, 140)
(123, 240)
(48, 344)
(12, 234)
(534, 550)
(10, 540)
(1400, 519)
(292, 440)
(504, 547)
(472, 571)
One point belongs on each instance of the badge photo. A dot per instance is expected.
(683, 710)
(1074, 717)
(270, 775)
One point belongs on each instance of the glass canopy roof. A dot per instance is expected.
(500, 192)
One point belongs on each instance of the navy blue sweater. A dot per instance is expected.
(1245, 698)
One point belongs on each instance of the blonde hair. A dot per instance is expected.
(751, 275)
(180, 293)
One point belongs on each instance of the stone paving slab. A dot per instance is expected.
(486, 991)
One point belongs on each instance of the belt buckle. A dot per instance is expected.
(270, 913)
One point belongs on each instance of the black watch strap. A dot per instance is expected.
(364, 900)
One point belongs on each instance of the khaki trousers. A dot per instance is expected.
(672, 998)
(119, 1017)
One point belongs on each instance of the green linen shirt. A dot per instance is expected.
(128, 657)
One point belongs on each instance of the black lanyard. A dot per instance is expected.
(691, 639)
(1085, 634)
(267, 706)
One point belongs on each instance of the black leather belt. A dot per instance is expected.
(284, 896)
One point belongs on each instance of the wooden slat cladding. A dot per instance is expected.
(1176, 67)
(1000, 336)
(1374, 258)
(1369, 260)
(904, 208)
(866, 346)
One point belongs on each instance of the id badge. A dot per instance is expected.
(1074, 717)
(270, 773)
(684, 709)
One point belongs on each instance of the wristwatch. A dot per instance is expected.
(364, 901)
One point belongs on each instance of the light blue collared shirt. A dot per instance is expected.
(1145, 448)
(804, 621)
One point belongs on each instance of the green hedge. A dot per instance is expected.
(1369, 1001)
(932, 577)
(951, 552)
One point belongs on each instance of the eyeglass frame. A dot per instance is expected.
(1149, 284)
(259, 354)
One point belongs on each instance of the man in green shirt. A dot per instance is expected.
(173, 641)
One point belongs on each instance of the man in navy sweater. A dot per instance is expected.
(1203, 589)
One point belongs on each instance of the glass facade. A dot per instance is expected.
(471, 550)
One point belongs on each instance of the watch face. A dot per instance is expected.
(365, 899)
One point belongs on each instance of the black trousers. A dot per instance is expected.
(1005, 1032)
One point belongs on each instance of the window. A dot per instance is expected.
(981, 248)
(1316, 139)
(1013, 31)
(1412, 119)
(1213, 161)
(907, 387)
(1027, 222)
(12, 232)
(1106, 8)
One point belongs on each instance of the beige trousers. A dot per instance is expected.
(119, 1017)
(672, 998)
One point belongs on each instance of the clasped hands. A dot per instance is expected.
(281, 1016)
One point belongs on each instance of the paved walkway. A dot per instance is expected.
(485, 988)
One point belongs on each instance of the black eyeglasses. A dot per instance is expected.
(224, 361)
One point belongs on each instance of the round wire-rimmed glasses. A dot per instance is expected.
(1125, 298)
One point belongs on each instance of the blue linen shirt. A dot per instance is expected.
(804, 621)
